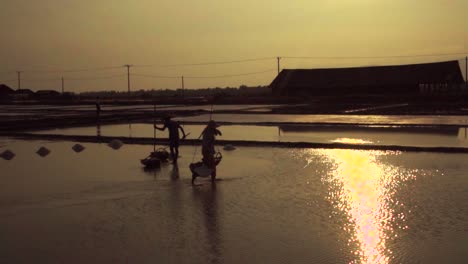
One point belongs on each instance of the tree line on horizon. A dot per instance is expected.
(242, 90)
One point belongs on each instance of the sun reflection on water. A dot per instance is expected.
(361, 196)
(351, 141)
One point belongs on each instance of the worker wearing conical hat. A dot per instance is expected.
(208, 151)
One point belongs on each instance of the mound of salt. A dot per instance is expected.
(7, 155)
(115, 144)
(43, 151)
(78, 148)
(229, 147)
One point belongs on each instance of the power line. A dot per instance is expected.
(19, 79)
(156, 76)
(7, 72)
(97, 78)
(76, 70)
(229, 75)
(8, 81)
(208, 63)
(74, 79)
(203, 77)
(241, 61)
(374, 57)
(368, 64)
(41, 80)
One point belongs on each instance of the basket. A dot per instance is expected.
(155, 158)
(160, 154)
(200, 169)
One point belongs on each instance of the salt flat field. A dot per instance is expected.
(372, 135)
(234, 132)
(269, 205)
(148, 107)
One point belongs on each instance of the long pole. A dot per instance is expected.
(128, 76)
(63, 85)
(466, 72)
(154, 127)
(211, 111)
(183, 88)
(19, 79)
(278, 62)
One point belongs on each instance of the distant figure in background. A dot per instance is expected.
(98, 130)
(174, 137)
(98, 114)
(208, 151)
(98, 109)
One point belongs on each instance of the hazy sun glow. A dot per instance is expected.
(42, 38)
(352, 141)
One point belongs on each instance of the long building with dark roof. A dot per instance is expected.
(402, 79)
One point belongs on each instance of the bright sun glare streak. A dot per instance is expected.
(362, 197)
(351, 141)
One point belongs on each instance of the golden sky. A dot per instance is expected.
(44, 38)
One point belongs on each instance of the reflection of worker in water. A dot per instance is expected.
(175, 172)
(208, 151)
(209, 199)
(174, 137)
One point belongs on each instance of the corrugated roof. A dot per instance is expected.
(383, 76)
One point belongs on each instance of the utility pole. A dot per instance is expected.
(278, 59)
(466, 72)
(183, 88)
(63, 85)
(19, 79)
(128, 76)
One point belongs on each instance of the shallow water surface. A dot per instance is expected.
(270, 205)
(349, 119)
(389, 135)
(57, 109)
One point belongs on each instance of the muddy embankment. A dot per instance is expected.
(238, 143)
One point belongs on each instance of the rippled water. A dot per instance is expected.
(270, 205)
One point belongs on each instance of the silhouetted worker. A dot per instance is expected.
(208, 151)
(174, 137)
(98, 109)
(98, 129)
